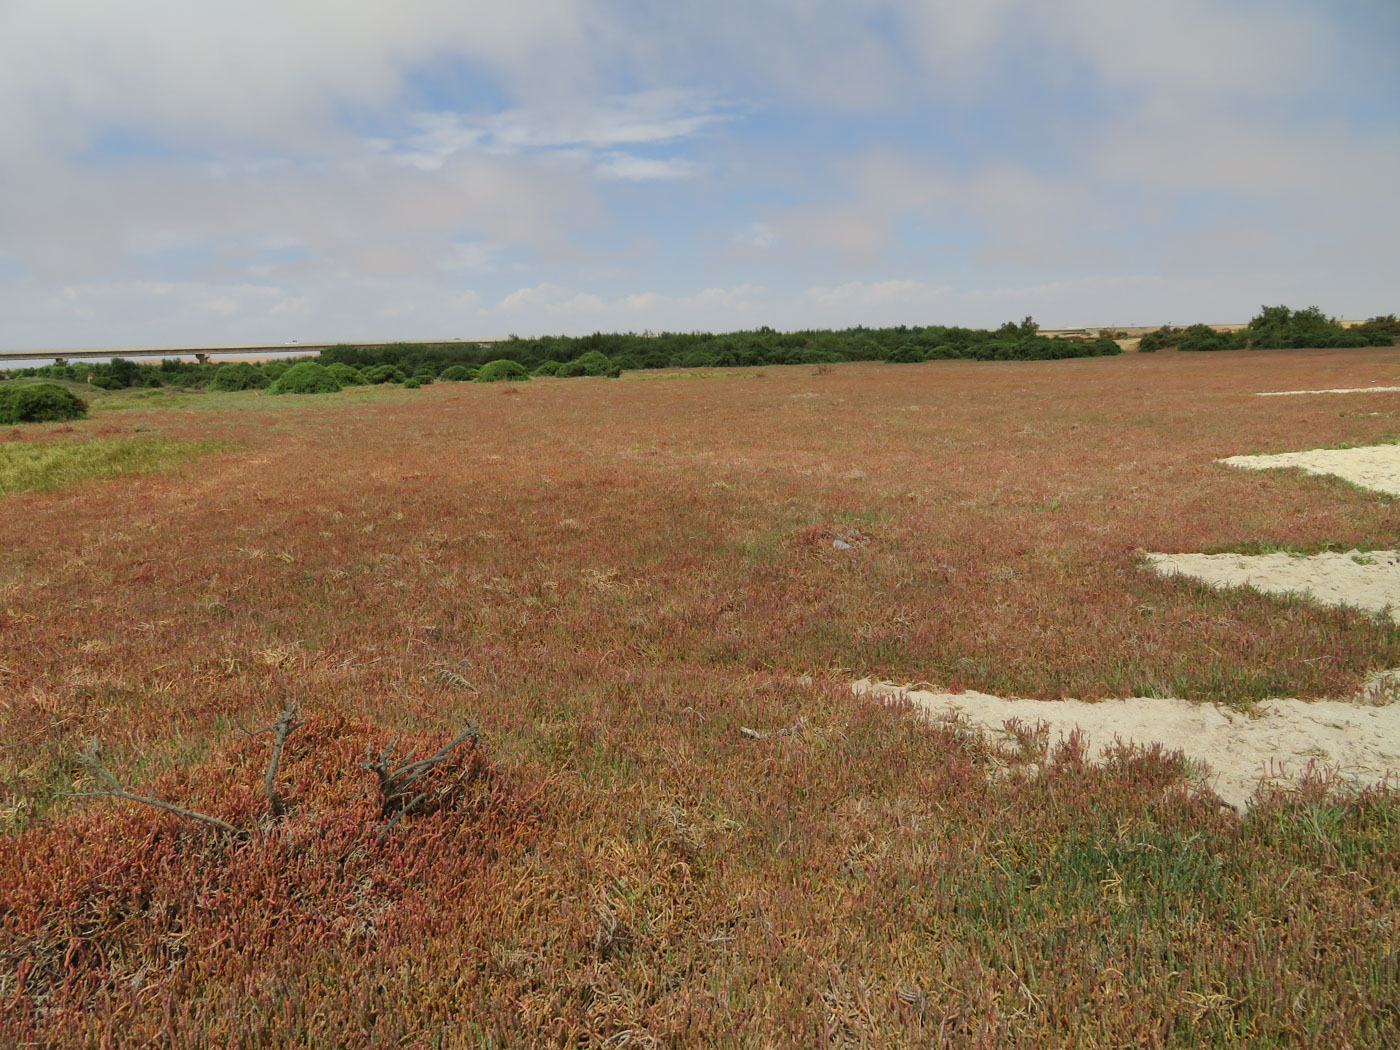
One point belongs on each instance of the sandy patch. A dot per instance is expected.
(1233, 752)
(1335, 390)
(1369, 581)
(1371, 466)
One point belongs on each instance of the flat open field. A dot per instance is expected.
(611, 578)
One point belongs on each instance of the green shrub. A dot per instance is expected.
(495, 371)
(690, 359)
(39, 403)
(308, 377)
(413, 383)
(1199, 337)
(345, 375)
(239, 375)
(944, 352)
(1379, 331)
(380, 374)
(1278, 327)
(548, 368)
(905, 354)
(597, 363)
(421, 378)
(456, 374)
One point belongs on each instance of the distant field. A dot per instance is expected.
(611, 578)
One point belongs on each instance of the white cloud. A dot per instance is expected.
(756, 235)
(474, 256)
(878, 293)
(628, 168)
(259, 70)
(228, 165)
(581, 127)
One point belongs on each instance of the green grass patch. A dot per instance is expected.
(42, 466)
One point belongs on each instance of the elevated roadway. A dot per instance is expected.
(204, 353)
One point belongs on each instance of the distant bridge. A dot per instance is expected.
(204, 353)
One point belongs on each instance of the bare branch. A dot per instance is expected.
(397, 779)
(800, 726)
(89, 757)
(283, 727)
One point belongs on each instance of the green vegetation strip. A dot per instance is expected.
(27, 466)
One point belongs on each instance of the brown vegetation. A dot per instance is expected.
(614, 581)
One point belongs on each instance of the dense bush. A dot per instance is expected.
(1386, 327)
(593, 363)
(307, 377)
(413, 383)
(345, 375)
(495, 371)
(761, 346)
(455, 374)
(1279, 328)
(383, 374)
(239, 375)
(39, 403)
(906, 354)
(1202, 337)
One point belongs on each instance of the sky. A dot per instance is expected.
(220, 172)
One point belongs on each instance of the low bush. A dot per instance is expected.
(503, 369)
(413, 384)
(689, 359)
(906, 354)
(239, 375)
(39, 403)
(548, 368)
(381, 374)
(1379, 331)
(593, 363)
(1279, 328)
(456, 374)
(1201, 337)
(308, 377)
(345, 375)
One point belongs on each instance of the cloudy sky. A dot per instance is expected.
(176, 171)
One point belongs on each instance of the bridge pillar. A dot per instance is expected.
(60, 360)
(202, 358)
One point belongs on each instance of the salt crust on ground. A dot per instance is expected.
(1234, 752)
(1369, 581)
(1371, 466)
(1335, 390)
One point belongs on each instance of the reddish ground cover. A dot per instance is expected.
(611, 577)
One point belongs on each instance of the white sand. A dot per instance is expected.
(1357, 742)
(1234, 752)
(1371, 466)
(1369, 581)
(1335, 390)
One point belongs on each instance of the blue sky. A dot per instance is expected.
(315, 170)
